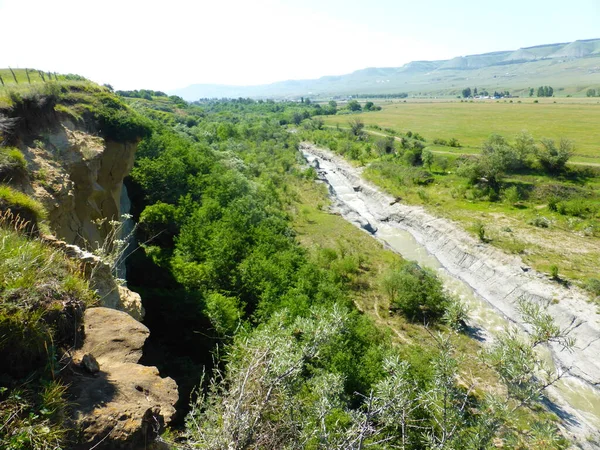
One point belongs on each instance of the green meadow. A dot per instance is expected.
(472, 123)
(35, 76)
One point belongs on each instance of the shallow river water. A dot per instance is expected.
(577, 401)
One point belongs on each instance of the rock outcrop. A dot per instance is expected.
(118, 402)
(79, 178)
(110, 293)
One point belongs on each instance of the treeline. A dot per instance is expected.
(592, 93)
(397, 95)
(142, 93)
(221, 255)
(467, 93)
(543, 91)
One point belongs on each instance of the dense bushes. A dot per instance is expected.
(118, 123)
(554, 158)
(417, 292)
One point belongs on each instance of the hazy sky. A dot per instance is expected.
(173, 43)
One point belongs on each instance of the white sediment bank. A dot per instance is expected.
(491, 281)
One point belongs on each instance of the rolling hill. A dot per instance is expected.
(569, 67)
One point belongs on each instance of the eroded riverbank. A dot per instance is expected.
(487, 279)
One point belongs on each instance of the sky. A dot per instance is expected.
(169, 44)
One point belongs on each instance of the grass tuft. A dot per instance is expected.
(12, 164)
(22, 208)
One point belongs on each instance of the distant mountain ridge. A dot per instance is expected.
(568, 65)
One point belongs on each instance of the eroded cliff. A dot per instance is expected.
(76, 161)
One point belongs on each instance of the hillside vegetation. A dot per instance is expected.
(283, 326)
(224, 204)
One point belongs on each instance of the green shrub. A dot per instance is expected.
(414, 155)
(225, 313)
(553, 158)
(540, 222)
(12, 164)
(454, 143)
(416, 291)
(480, 231)
(456, 314)
(13, 157)
(592, 285)
(117, 122)
(578, 207)
(512, 195)
(554, 272)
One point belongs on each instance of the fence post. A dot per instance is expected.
(41, 74)
(14, 76)
(1, 81)
(27, 73)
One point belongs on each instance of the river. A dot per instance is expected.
(483, 277)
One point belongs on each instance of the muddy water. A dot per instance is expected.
(576, 401)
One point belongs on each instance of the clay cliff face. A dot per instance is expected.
(79, 178)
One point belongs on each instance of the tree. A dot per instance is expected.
(427, 157)
(353, 105)
(466, 93)
(416, 291)
(357, 127)
(552, 158)
(525, 149)
(591, 92)
(368, 106)
(475, 91)
(531, 91)
(385, 145)
(497, 157)
(545, 91)
(540, 91)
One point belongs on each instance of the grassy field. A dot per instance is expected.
(472, 123)
(21, 76)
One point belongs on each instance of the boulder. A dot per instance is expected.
(124, 404)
